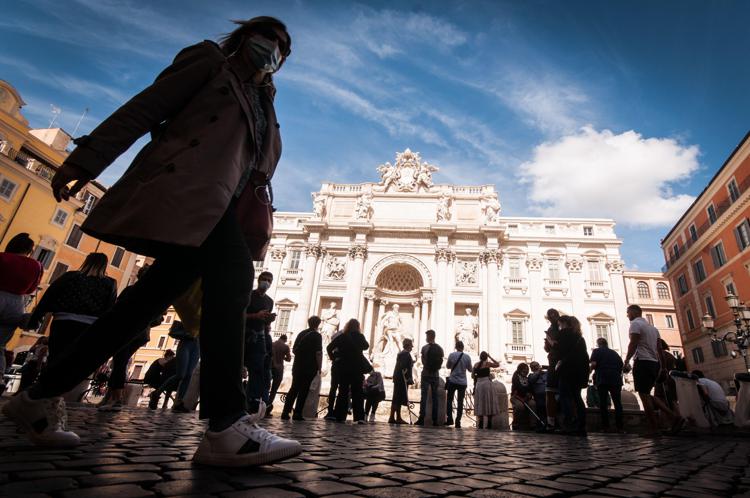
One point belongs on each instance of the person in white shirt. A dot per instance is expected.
(716, 408)
(459, 363)
(644, 347)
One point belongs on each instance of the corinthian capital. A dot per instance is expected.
(534, 263)
(444, 254)
(278, 253)
(615, 266)
(358, 251)
(491, 256)
(315, 250)
(574, 265)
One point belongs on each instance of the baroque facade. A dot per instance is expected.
(404, 255)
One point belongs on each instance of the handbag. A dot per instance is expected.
(447, 379)
(188, 306)
(255, 216)
(364, 364)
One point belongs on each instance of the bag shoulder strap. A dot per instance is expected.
(457, 362)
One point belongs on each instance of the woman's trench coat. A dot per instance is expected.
(181, 183)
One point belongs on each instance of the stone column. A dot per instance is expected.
(416, 324)
(574, 264)
(620, 328)
(278, 253)
(353, 297)
(489, 338)
(425, 314)
(536, 292)
(440, 311)
(313, 252)
(368, 329)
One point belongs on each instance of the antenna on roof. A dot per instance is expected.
(55, 114)
(85, 111)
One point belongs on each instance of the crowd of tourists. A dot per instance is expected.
(202, 227)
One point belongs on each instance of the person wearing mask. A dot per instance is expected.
(459, 363)
(76, 300)
(538, 387)
(644, 347)
(402, 379)
(607, 367)
(280, 353)
(432, 360)
(197, 199)
(352, 367)
(374, 391)
(520, 396)
(19, 276)
(308, 361)
(258, 345)
(573, 374)
(485, 404)
(551, 346)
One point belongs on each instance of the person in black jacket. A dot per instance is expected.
(308, 360)
(573, 372)
(352, 367)
(551, 346)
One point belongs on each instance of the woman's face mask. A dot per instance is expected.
(264, 53)
(264, 285)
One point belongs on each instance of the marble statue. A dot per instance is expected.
(363, 209)
(336, 268)
(330, 322)
(490, 209)
(467, 330)
(390, 335)
(319, 205)
(443, 208)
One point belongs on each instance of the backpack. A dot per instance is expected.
(433, 358)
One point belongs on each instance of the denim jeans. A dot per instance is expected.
(258, 374)
(461, 391)
(426, 384)
(188, 354)
(573, 407)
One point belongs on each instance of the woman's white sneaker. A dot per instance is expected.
(44, 420)
(244, 444)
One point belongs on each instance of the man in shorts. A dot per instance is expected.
(644, 347)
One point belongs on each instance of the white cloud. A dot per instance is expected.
(602, 174)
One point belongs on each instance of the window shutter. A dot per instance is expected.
(715, 258)
(738, 238)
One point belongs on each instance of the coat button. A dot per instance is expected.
(213, 119)
(224, 90)
(170, 167)
(194, 142)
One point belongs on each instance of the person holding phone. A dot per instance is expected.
(258, 345)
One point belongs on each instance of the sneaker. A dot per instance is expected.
(114, 406)
(284, 416)
(372, 418)
(419, 422)
(298, 418)
(44, 420)
(332, 418)
(179, 407)
(153, 400)
(244, 444)
(361, 422)
(458, 424)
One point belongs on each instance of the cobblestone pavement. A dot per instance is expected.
(141, 453)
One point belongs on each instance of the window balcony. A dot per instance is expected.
(596, 286)
(291, 274)
(555, 284)
(515, 283)
(515, 350)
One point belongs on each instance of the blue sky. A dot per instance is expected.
(596, 109)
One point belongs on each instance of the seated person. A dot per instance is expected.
(715, 406)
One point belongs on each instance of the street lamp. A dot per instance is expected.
(740, 337)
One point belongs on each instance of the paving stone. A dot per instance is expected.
(369, 481)
(126, 467)
(531, 490)
(439, 487)
(37, 486)
(43, 474)
(472, 483)
(153, 459)
(172, 488)
(258, 480)
(394, 492)
(325, 487)
(441, 474)
(381, 469)
(558, 485)
(263, 493)
(89, 462)
(118, 491)
(21, 466)
(409, 477)
(496, 493)
(119, 478)
(498, 479)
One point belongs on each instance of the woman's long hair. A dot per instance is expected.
(351, 326)
(95, 265)
(231, 42)
(21, 243)
(570, 322)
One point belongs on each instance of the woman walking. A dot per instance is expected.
(402, 379)
(76, 300)
(573, 373)
(485, 404)
(19, 276)
(352, 367)
(197, 198)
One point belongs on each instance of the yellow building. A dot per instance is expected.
(28, 160)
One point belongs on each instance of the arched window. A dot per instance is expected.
(643, 291)
(662, 290)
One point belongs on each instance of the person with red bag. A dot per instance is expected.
(197, 198)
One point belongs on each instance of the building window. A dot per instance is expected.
(162, 342)
(60, 269)
(690, 321)
(282, 322)
(698, 355)
(710, 306)
(650, 318)
(74, 237)
(258, 265)
(662, 291)
(693, 233)
(588, 231)
(718, 255)
(734, 192)
(602, 330)
(550, 229)
(742, 234)
(675, 251)
(44, 256)
(7, 189)
(594, 272)
(670, 321)
(117, 258)
(60, 218)
(682, 285)
(729, 286)
(516, 327)
(553, 267)
(719, 348)
(643, 290)
(711, 210)
(700, 271)
(137, 370)
(294, 259)
(168, 319)
(513, 227)
(514, 268)
(89, 201)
